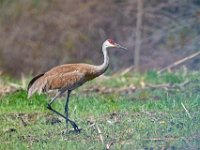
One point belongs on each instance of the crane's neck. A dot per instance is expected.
(103, 67)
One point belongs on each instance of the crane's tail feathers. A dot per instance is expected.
(33, 80)
(37, 84)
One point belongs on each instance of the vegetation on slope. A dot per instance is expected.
(162, 112)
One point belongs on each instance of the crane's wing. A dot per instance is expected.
(64, 77)
(53, 81)
(65, 81)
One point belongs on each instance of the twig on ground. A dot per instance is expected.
(162, 139)
(179, 62)
(106, 90)
(163, 148)
(167, 86)
(4, 89)
(163, 86)
(186, 111)
(23, 122)
(108, 145)
(126, 70)
(100, 134)
(181, 85)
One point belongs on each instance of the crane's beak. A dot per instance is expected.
(119, 46)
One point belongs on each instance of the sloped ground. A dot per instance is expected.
(161, 113)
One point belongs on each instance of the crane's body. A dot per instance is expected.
(68, 77)
(65, 77)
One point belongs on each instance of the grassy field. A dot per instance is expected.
(162, 113)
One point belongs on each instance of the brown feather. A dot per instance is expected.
(64, 77)
(37, 86)
(33, 80)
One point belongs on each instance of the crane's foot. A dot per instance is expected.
(76, 129)
(71, 131)
(49, 106)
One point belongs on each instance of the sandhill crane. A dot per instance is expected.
(67, 78)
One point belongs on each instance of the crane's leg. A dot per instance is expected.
(54, 98)
(66, 107)
(71, 122)
(67, 119)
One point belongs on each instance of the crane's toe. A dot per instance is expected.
(74, 131)
(49, 106)
(78, 130)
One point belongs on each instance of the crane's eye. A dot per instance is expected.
(111, 41)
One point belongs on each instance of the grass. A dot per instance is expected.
(149, 118)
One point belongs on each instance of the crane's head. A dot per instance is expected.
(111, 43)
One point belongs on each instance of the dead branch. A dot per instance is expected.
(162, 139)
(179, 62)
(158, 86)
(100, 134)
(138, 34)
(163, 148)
(108, 145)
(168, 86)
(4, 89)
(127, 70)
(23, 122)
(186, 111)
(106, 90)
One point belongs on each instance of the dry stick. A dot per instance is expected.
(179, 62)
(109, 145)
(100, 134)
(138, 34)
(126, 70)
(186, 111)
(163, 148)
(167, 85)
(161, 139)
(23, 122)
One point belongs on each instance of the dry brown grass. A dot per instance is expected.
(36, 35)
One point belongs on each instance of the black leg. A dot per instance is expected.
(54, 98)
(66, 111)
(66, 107)
(71, 122)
